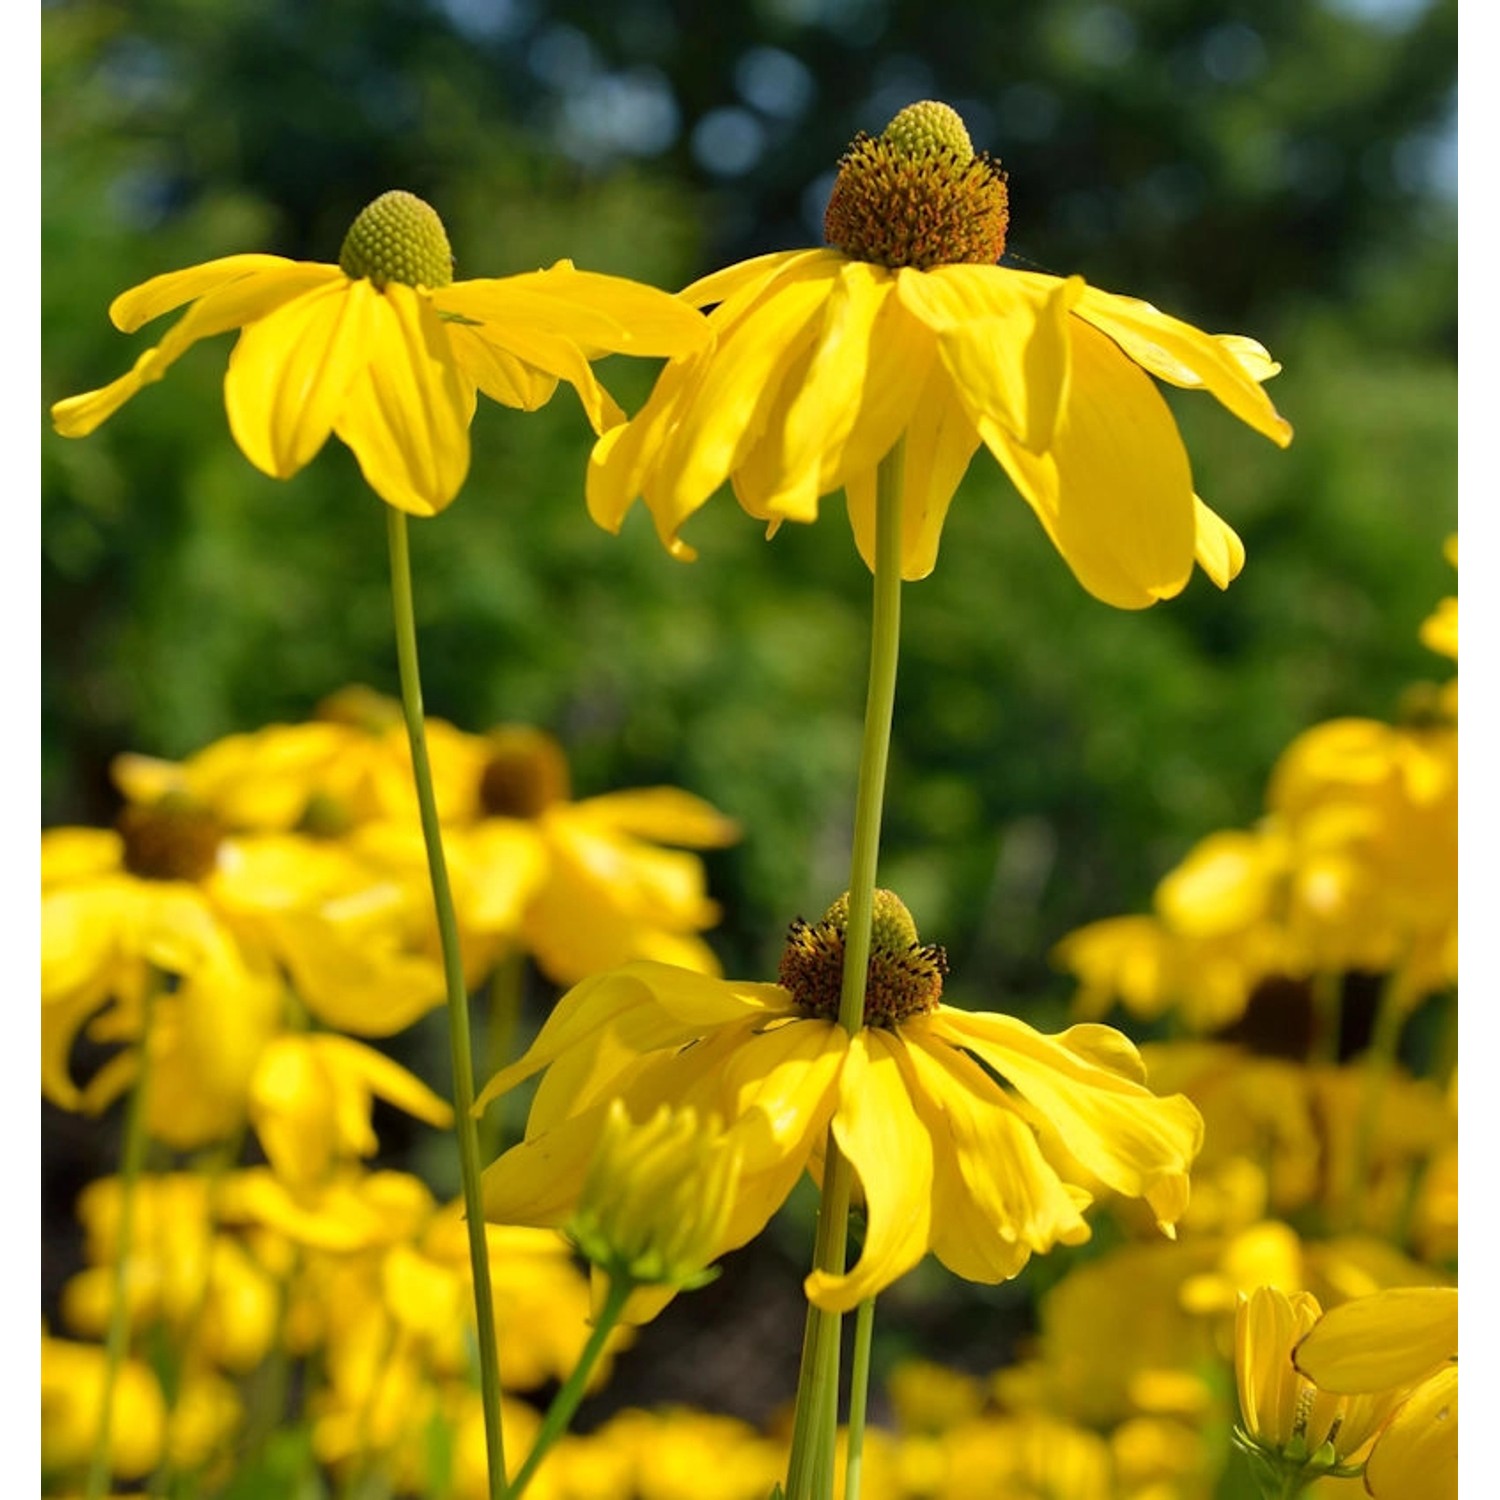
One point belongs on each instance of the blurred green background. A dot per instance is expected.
(1279, 168)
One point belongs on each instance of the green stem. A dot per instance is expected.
(565, 1403)
(499, 1042)
(1327, 1016)
(1380, 1058)
(132, 1158)
(458, 995)
(859, 1392)
(815, 1432)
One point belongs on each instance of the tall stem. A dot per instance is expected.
(565, 1403)
(1380, 1059)
(814, 1435)
(859, 1391)
(458, 994)
(132, 1158)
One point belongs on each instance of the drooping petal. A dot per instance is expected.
(746, 279)
(1114, 491)
(138, 306)
(940, 441)
(235, 303)
(1389, 1338)
(596, 312)
(291, 372)
(1117, 1128)
(736, 385)
(1006, 1177)
(1416, 1457)
(561, 357)
(1004, 340)
(808, 431)
(1217, 548)
(1230, 369)
(623, 456)
(878, 1128)
(407, 419)
(647, 1005)
(497, 372)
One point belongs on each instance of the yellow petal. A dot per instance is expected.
(809, 433)
(497, 372)
(1114, 492)
(1217, 548)
(290, 374)
(1416, 1457)
(1230, 369)
(1119, 1130)
(1010, 1195)
(646, 1005)
(623, 455)
(407, 419)
(598, 313)
(1387, 1339)
(234, 304)
(130, 310)
(877, 1127)
(665, 814)
(940, 441)
(560, 357)
(738, 382)
(1005, 340)
(751, 277)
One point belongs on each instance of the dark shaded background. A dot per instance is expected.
(1283, 168)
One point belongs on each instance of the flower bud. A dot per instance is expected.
(657, 1198)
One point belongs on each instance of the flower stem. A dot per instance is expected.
(1390, 1015)
(132, 1158)
(859, 1391)
(815, 1432)
(565, 1403)
(499, 1040)
(458, 995)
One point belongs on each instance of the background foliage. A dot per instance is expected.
(1282, 169)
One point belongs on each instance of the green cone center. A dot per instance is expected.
(398, 237)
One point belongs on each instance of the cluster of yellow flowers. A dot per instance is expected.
(262, 906)
(1354, 868)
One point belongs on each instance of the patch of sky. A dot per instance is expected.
(631, 113)
(486, 20)
(1385, 15)
(775, 82)
(728, 142)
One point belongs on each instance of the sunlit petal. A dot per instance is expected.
(407, 419)
(879, 1130)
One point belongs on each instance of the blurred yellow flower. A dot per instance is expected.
(311, 1098)
(72, 1389)
(823, 361)
(186, 1269)
(583, 884)
(947, 1159)
(386, 350)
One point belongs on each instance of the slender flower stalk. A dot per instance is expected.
(1391, 1010)
(458, 995)
(565, 1403)
(132, 1158)
(859, 1390)
(810, 1469)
